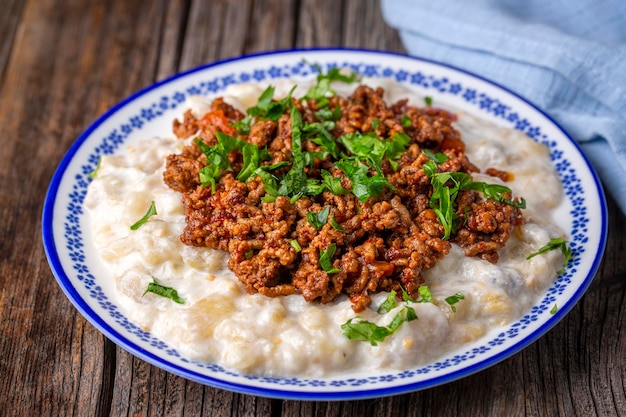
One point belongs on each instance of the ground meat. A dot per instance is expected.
(262, 133)
(361, 246)
(503, 175)
(182, 173)
(486, 225)
(186, 128)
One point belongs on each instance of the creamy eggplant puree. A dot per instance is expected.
(286, 336)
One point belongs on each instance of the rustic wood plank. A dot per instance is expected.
(9, 19)
(55, 363)
(172, 38)
(215, 30)
(364, 27)
(319, 23)
(272, 26)
(131, 50)
(40, 331)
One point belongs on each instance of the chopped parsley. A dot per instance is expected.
(553, 244)
(266, 108)
(425, 295)
(363, 185)
(438, 157)
(333, 184)
(360, 156)
(366, 331)
(453, 299)
(366, 147)
(294, 244)
(318, 220)
(336, 225)
(217, 158)
(151, 212)
(389, 304)
(321, 91)
(444, 196)
(326, 257)
(295, 183)
(167, 292)
(428, 100)
(365, 151)
(554, 309)
(334, 74)
(370, 149)
(363, 330)
(319, 134)
(329, 115)
(93, 173)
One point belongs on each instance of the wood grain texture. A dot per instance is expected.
(9, 19)
(65, 62)
(215, 30)
(320, 23)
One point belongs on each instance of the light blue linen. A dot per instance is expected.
(566, 56)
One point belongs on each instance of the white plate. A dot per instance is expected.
(149, 113)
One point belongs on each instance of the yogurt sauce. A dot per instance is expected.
(286, 336)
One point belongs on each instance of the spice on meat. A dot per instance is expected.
(328, 195)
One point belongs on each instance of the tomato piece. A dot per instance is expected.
(450, 142)
(218, 119)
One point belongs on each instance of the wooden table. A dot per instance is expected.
(62, 64)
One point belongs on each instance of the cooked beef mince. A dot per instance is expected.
(382, 241)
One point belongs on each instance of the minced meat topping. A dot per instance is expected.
(327, 195)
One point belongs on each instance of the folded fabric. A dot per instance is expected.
(566, 56)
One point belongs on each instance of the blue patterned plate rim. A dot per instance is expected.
(61, 224)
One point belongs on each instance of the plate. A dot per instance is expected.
(76, 266)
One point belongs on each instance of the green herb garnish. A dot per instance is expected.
(93, 173)
(363, 185)
(294, 244)
(265, 108)
(321, 91)
(375, 124)
(366, 331)
(389, 304)
(453, 299)
(327, 114)
(438, 157)
(425, 295)
(294, 183)
(444, 195)
(319, 134)
(396, 146)
(336, 225)
(326, 257)
(428, 100)
(167, 292)
(554, 309)
(151, 212)
(366, 147)
(553, 244)
(318, 220)
(406, 121)
(332, 183)
(369, 148)
(217, 158)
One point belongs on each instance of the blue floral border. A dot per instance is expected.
(574, 192)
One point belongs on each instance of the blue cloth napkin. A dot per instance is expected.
(566, 56)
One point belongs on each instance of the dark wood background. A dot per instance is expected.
(62, 64)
